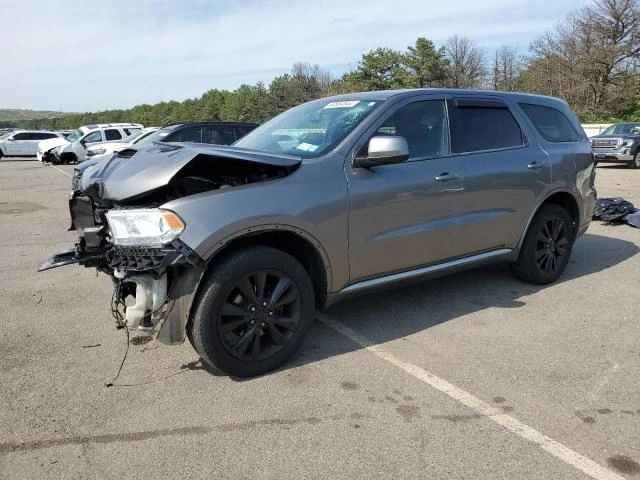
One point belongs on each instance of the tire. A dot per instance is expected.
(65, 158)
(635, 163)
(1, 154)
(547, 246)
(252, 312)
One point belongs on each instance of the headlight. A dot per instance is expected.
(144, 227)
(97, 151)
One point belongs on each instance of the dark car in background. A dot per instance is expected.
(215, 133)
(620, 143)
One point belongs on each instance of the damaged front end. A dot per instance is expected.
(117, 209)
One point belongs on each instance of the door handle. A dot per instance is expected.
(536, 166)
(446, 176)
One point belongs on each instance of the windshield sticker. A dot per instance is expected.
(346, 104)
(305, 147)
(312, 148)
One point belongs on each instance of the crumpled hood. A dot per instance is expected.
(123, 176)
(46, 145)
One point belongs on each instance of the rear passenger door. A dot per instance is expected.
(505, 172)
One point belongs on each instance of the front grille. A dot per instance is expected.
(137, 258)
(608, 144)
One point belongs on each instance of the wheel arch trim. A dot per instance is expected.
(544, 200)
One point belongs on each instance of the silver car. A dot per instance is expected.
(235, 247)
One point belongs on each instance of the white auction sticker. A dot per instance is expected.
(345, 104)
(304, 146)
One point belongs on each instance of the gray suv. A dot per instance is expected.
(235, 247)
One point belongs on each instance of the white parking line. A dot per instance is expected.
(524, 431)
(61, 171)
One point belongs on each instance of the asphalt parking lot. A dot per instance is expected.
(475, 376)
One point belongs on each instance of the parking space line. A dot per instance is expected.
(512, 424)
(60, 170)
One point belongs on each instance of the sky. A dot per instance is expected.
(89, 56)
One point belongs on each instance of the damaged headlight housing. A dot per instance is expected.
(144, 227)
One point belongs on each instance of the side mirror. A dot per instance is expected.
(383, 150)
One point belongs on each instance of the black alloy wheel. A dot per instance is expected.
(552, 243)
(260, 315)
(547, 246)
(252, 311)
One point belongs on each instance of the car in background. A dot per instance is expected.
(619, 143)
(73, 148)
(24, 143)
(99, 151)
(219, 133)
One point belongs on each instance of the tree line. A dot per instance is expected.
(591, 59)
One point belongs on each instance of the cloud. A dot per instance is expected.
(100, 55)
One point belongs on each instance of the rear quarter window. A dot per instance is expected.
(552, 124)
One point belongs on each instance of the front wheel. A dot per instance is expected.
(635, 163)
(252, 312)
(547, 246)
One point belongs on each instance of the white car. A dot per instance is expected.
(103, 150)
(24, 143)
(74, 148)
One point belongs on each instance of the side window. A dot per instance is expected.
(221, 135)
(476, 128)
(192, 134)
(43, 136)
(552, 124)
(242, 130)
(112, 134)
(22, 136)
(130, 131)
(93, 137)
(423, 125)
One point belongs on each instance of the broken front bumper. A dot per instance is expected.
(613, 156)
(162, 280)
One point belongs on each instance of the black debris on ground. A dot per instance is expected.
(617, 210)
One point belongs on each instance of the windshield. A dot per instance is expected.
(131, 138)
(309, 129)
(156, 136)
(143, 137)
(75, 135)
(622, 129)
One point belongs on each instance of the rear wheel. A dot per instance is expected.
(635, 163)
(547, 246)
(253, 312)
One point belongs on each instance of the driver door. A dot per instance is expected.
(403, 216)
(15, 144)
